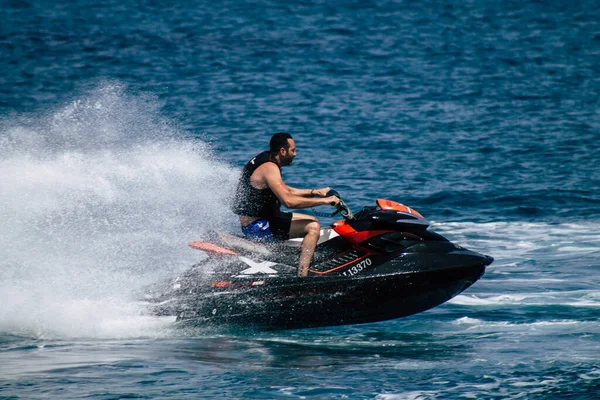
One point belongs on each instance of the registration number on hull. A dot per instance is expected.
(359, 267)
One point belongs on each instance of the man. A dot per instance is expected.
(261, 191)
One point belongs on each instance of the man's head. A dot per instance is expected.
(283, 147)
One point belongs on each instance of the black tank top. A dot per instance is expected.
(252, 202)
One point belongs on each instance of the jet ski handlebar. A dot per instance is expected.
(341, 207)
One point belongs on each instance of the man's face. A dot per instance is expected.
(287, 156)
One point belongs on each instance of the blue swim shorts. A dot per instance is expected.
(276, 228)
(259, 230)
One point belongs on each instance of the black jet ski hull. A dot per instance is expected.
(315, 302)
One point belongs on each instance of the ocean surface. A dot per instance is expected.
(123, 128)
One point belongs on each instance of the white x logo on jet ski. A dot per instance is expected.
(257, 267)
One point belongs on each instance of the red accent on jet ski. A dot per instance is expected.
(392, 205)
(354, 237)
(211, 249)
(220, 284)
(342, 228)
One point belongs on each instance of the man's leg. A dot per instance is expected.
(308, 227)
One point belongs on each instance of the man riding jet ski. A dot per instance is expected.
(379, 264)
(261, 191)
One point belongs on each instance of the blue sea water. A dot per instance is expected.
(123, 126)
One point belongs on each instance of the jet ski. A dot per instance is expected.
(378, 264)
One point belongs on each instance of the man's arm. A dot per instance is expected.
(291, 197)
(309, 192)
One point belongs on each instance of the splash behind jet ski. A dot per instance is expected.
(382, 263)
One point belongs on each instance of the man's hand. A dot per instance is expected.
(321, 192)
(333, 201)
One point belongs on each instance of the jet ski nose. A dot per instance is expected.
(470, 258)
(481, 259)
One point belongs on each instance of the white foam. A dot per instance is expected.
(412, 395)
(574, 298)
(539, 327)
(592, 375)
(511, 241)
(98, 199)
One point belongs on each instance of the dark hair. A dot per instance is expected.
(279, 140)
